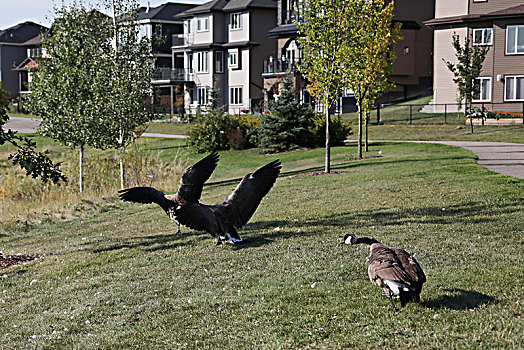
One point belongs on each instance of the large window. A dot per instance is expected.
(514, 88)
(235, 95)
(202, 95)
(219, 62)
(482, 36)
(202, 62)
(484, 90)
(235, 21)
(515, 39)
(202, 24)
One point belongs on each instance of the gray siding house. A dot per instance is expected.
(498, 24)
(14, 44)
(224, 46)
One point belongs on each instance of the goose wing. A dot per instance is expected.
(242, 203)
(198, 217)
(410, 265)
(193, 179)
(145, 195)
(383, 265)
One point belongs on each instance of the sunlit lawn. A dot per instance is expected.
(119, 278)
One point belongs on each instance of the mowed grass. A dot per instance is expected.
(121, 278)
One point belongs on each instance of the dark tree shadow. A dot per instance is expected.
(150, 243)
(459, 299)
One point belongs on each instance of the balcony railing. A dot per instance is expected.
(279, 66)
(180, 40)
(288, 17)
(176, 74)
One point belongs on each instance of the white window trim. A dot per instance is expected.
(232, 53)
(515, 88)
(236, 103)
(202, 101)
(202, 64)
(480, 93)
(518, 28)
(239, 14)
(483, 38)
(221, 54)
(202, 20)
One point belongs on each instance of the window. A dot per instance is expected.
(202, 24)
(515, 39)
(233, 59)
(202, 96)
(482, 36)
(202, 62)
(190, 62)
(514, 88)
(219, 62)
(189, 25)
(484, 94)
(235, 95)
(235, 21)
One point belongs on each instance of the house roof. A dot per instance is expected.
(21, 33)
(511, 12)
(228, 6)
(284, 31)
(26, 64)
(164, 12)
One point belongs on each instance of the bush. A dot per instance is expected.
(338, 130)
(209, 131)
(250, 125)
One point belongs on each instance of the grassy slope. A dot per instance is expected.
(121, 279)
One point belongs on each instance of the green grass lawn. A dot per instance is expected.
(120, 278)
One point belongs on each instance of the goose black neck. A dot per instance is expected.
(365, 240)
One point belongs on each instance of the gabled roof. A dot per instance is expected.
(26, 64)
(21, 33)
(228, 6)
(511, 12)
(164, 12)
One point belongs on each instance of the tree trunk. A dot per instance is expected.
(80, 169)
(121, 171)
(470, 117)
(359, 106)
(328, 150)
(366, 148)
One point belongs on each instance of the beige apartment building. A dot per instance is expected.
(498, 24)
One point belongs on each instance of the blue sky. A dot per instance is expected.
(13, 12)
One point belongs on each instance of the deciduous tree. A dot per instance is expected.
(467, 69)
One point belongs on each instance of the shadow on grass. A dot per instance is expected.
(459, 299)
(151, 243)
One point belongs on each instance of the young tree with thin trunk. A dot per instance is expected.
(468, 68)
(322, 26)
(69, 86)
(368, 57)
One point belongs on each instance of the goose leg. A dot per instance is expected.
(178, 227)
(390, 297)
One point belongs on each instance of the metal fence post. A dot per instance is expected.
(483, 114)
(378, 114)
(445, 113)
(522, 112)
(410, 113)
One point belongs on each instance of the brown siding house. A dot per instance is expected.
(497, 24)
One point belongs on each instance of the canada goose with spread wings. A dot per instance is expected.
(393, 269)
(220, 220)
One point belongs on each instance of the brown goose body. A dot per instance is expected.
(220, 220)
(392, 269)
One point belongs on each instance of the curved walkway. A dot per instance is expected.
(501, 157)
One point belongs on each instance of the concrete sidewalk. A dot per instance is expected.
(501, 157)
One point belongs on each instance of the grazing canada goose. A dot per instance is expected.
(393, 269)
(220, 220)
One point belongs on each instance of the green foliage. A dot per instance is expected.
(209, 131)
(468, 68)
(36, 164)
(247, 132)
(285, 128)
(338, 130)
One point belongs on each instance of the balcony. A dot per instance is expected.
(276, 67)
(181, 40)
(288, 17)
(173, 75)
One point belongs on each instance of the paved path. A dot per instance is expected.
(502, 157)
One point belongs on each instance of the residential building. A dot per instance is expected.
(223, 47)
(14, 44)
(412, 69)
(497, 24)
(33, 49)
(160, 25)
